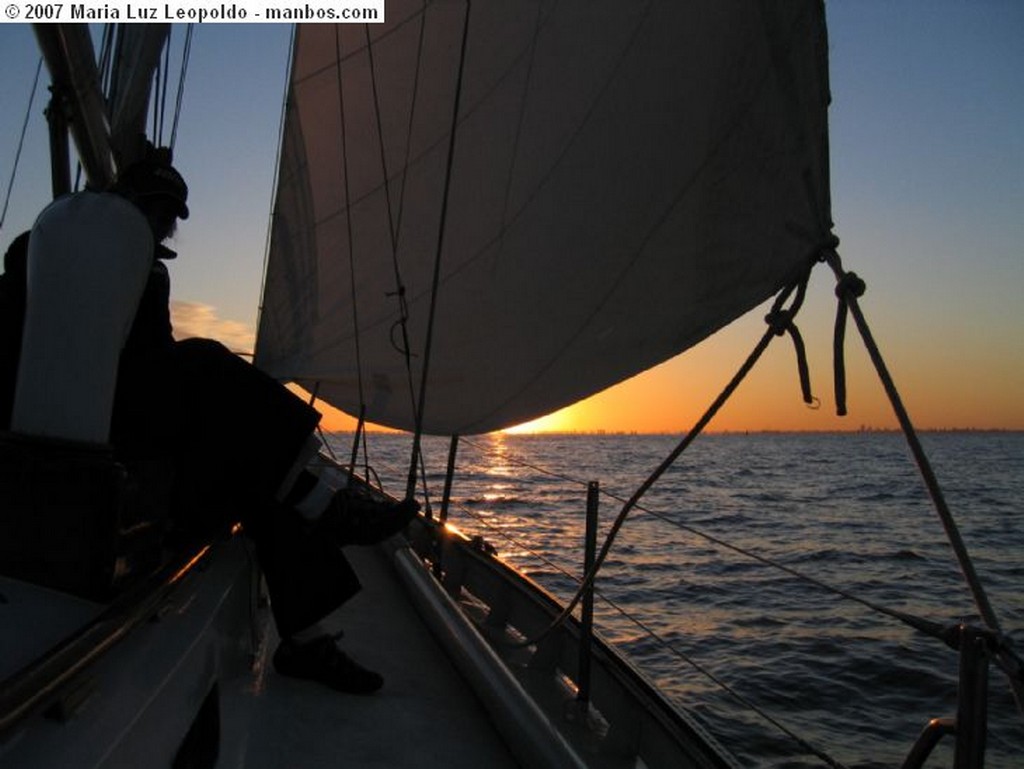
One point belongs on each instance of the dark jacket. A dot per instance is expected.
(12, 319)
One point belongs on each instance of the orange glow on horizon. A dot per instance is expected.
(979, 391)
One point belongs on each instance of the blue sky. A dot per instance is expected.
(927, 139)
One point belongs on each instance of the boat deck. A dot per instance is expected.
(424, 716)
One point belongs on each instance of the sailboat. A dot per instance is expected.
(482, 215)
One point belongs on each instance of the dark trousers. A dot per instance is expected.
(232, 433)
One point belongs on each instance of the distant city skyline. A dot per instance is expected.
(928, 201)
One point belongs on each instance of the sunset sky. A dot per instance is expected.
(927, 141)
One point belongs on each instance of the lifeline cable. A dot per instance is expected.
(671, 648)
(697, 429)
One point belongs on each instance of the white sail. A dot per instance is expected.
(625, 179)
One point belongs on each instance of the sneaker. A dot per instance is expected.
(354, 519)
(321, 660)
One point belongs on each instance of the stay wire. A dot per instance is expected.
(851, 290)
(186, 55)
(435, 283)
(780, 321)
(920, 457)
(928, 627)
(650, 632)
(343, 137)
(279, 144)
(21, 142)
(688, 439)
(394, 227)
(104, 64)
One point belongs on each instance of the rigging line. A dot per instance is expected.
(403, 303)
(380, 142)
(782, 322)
(412, 115)
(21, 142)
(417, 437)
(186, 56)
(928, 627)
(277, 174)
(114, 65)
(696, 430)
(167, 81)
(348, 220)
(105, 64)
(393, 228)
(356, 329)
(154, 128)
(160, 96)
(839, 341)
(671, 648)
(724, 685)
(923, 464)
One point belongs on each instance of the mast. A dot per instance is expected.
(71, 61)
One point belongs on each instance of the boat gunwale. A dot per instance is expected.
(475, 561)
(35, 685)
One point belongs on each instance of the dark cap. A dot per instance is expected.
(150, 178)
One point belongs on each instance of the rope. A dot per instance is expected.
(402, 323)
(277, 174)
(186, 56)
(21, 142)
(159, 102)
(715, 407)
(725, 686)
(671, 648)
(435, 284)
(923, 465)
(104, 65)
(928, 627)
(403, 307)
(781, 322)
(348, 221)
(166, 85)
(849, 287)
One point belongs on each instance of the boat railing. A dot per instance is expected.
(977, 647)
(583, 639)
(48, 683)
(602, 703)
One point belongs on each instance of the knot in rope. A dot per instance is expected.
(779, 321)
(849, 285)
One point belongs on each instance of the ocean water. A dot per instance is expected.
(695, 610)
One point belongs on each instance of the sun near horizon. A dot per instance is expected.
(969, 387)
(671, 399)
